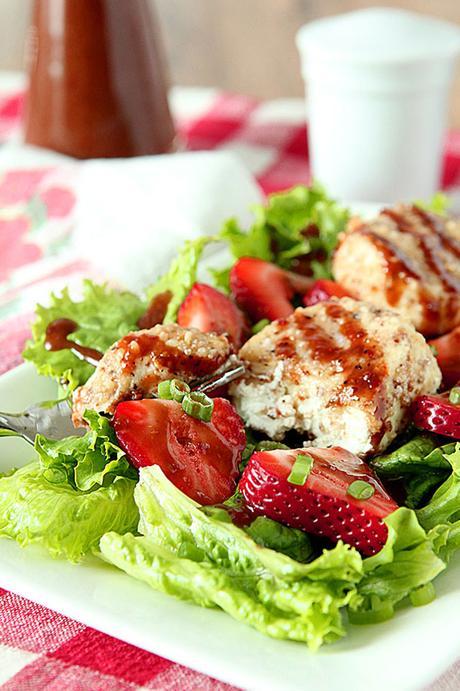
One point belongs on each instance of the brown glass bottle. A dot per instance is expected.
(97, 85)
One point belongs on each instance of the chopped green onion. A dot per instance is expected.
(301, 469)
(454, 396)
(164, 389)
(381, 611)
(359, 489)
(433, 349)
(423, 595)
(260, 325)
(173, 390)
(198, 405)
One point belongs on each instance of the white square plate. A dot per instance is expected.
(405, 653)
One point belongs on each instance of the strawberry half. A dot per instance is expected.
(447, 350)
(264, 290)
(322, 290)
(437, 414)
(322, 505)
(200, 458)
(207, 309)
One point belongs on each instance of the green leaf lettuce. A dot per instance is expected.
(84, 462)
(438, 204)
(198, 555)
(181, 276)
(103, 316)
(290, 541)
(186, 553)
(420, 463)
(80, 488)
(443, 509)
(407, 562)
(65, 521)
(299, 222)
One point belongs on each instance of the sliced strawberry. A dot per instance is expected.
(322, 505)
(447, 350)
(437, 414)
(322, 290)
(207, 309)
(200, 458)
(264, 290)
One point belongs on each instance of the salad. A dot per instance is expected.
(321, 487)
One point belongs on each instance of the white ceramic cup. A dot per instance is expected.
(378, 83)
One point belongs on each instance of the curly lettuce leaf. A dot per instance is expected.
(441, 515)
(184, 552)
(438, 204)
(420, 543)
(181, 276)
(67, 522)
(420, 463)
(444, 505)
(103, 316)
(300, 222)
(290, 213)
(408, 562)
(252, 243)
(84, 463)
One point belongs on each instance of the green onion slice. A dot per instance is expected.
(260, 325)
(198, 405)
(423, 595)
(359, 489)
(301, 469)
(380, 611)
(454, 396)
(173, 390)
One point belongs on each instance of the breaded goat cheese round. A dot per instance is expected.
(406, 259)
(342, 372)
(134, 366)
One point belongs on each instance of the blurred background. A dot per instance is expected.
(245, 46)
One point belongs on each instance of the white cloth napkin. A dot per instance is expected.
(132, 215)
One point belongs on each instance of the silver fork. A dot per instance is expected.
(53, 419)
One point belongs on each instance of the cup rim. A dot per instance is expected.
(311, 44)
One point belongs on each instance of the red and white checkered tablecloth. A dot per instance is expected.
(40, 649)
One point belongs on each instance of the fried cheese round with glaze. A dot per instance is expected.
(134, 366)
(342, 372)
(406, 259)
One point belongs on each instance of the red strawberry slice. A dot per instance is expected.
(200, 458)
(447, 349)
(207, 309)
(322, 290)
(437, 414)
(322, 505)
(264, 290)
